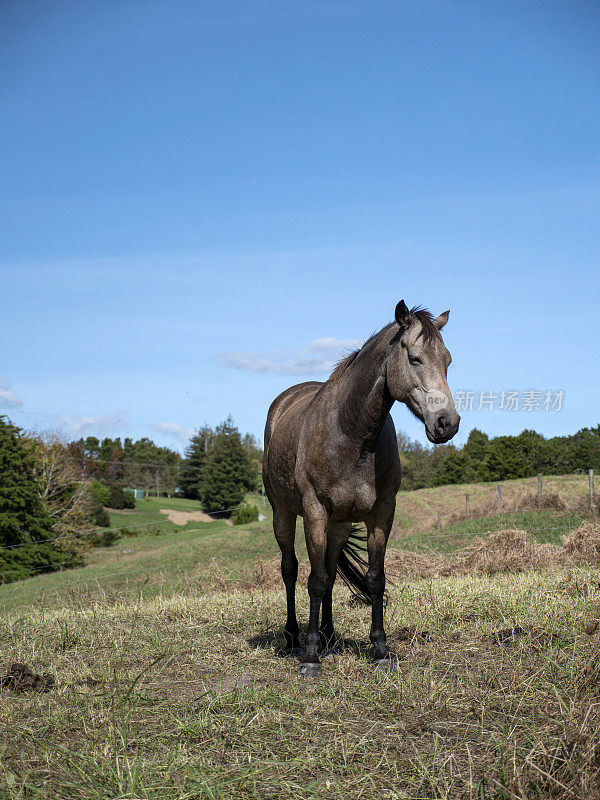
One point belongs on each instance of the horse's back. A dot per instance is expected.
(284, 402)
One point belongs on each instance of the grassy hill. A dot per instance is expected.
(163, 556)
(448, 500)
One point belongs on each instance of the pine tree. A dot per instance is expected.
(227, 473)
(23, 517)
(195, 458)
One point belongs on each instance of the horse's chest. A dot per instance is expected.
(352, 500)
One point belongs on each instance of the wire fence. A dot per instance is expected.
(433, 536)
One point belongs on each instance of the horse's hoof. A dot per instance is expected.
(310, 670)
(387, 666)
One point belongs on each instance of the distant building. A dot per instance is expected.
(139, 494)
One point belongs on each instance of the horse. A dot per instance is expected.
(331, 457)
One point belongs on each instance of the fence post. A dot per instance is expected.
(499, 492)
(467, 504)
(539, 491)
(439, 520)
(591, 486)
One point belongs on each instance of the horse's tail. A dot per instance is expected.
(352, 565)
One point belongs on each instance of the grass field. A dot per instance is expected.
(187, 697)
(170, 682)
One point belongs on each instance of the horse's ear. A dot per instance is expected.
(440, 321)
(402, 314)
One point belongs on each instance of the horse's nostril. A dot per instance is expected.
(442, 423)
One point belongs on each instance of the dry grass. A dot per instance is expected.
(186, 697)
(418, 510)
(509, 550)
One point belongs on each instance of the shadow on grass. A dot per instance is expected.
(275, 641)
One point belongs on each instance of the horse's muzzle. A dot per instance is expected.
(444, 428)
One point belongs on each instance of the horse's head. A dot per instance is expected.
(416, 371)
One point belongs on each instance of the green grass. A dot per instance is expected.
(148, 564)
(544, 527)
(185, 697)
(148, 512)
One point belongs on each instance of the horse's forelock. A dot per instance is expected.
(428, 330)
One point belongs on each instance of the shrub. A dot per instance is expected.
(101, 493)
(101, 517)
(244, 515)
(129, 498)
(105, 538)
(117, 497)
(33, 559)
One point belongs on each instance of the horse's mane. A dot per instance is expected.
(428, 331)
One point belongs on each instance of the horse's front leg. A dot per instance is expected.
(378, 531)
(315, 529)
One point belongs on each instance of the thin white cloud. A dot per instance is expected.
(174, 429)
(316, 358)
(8, 396)
(108, 423)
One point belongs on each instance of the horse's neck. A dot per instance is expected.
(365, 400)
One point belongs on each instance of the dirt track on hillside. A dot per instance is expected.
(183, 517)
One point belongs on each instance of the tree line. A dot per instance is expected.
(53, 491)
(499, 458)
(159, 470)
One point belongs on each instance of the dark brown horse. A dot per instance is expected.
(331, 456)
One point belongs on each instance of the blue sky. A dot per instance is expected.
(203, 203)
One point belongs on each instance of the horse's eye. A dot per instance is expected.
(414, 360)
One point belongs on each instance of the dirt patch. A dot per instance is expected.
(507, 633)
(183, 517)
(412, 635)
(20, 678)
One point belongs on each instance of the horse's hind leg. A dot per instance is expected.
(315, 530)
(337, 536)
(284, 526)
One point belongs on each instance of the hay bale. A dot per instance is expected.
(583, 544)
(584, 505)
(406, 564)
(529, 500)
(506, 551)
